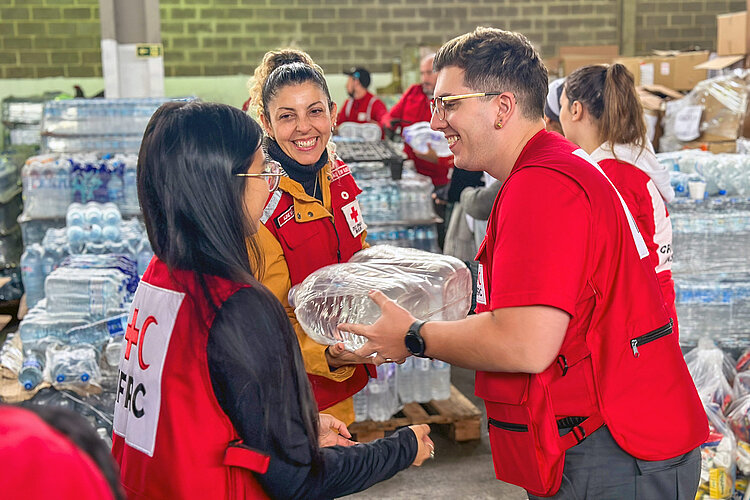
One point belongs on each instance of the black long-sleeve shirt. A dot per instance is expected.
(246, 319)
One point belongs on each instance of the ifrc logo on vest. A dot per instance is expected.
(138, 402)
(354, 218)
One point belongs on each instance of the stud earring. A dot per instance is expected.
(499, 124)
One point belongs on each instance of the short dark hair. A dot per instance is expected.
(496, 60)
(295, 73)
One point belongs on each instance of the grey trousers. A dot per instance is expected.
(598, 469)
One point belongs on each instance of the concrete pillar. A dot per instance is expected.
(132, 53)
(627, 9)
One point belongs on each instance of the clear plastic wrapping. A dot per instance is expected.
(713, 373)
(430, 286)
(722, 102)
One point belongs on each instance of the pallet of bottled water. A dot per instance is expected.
(714, 306)
(127, 116)
(417, 380)
(396, 202)
(92, 231)
(430, 286)
(103, 125)
(724, 174)
(710, 235)
(421, 237)
(52, 182)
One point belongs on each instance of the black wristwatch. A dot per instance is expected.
(414, 341)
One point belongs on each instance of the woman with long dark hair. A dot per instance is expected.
(601, 112)
(213, 401)
(313, 218)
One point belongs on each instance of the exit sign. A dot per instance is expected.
(149, 50)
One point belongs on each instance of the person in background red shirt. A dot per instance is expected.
(362, 106)
(413, 107)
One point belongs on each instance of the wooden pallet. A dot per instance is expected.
(456, 418)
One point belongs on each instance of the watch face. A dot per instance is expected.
(414, 344)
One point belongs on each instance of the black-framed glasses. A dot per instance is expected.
(272, 173)
(437, 104)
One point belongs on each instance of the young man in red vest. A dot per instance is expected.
(586, 389)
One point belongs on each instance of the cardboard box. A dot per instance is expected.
(713, 147)
(676, 70)
(641, 67)
(731, 37)
(653, 99)
(574, 57)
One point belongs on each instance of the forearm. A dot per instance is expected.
(495, 341)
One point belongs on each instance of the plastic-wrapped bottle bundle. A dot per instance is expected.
(98, 333)
(429, 286)
(713, 306)
(11, 356)
(711, 235)
(122, 263)
(92, 292)
(441, 380)
(74, 364)
(130, 188)
(46, 186)
(32, 274)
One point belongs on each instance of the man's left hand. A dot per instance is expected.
(386, 335)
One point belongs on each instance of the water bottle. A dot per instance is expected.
(115, 184)
(406, 380)
(145, 254)
(92, 214)
(130, 187)
(381, 402)
(422, 380)
(361, 407)
(32, 274)
(32, 369)
(74, 364)
(441, 380)
(61, 188)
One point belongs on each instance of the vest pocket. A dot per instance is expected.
(650, 337)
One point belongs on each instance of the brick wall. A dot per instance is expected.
(40, 38)
(671, 24)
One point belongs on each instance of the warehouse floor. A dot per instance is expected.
(460, 470)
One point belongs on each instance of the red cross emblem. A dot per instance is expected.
(354, 215)
(135, 336)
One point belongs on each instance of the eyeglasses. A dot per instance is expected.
(437, 104)
(271, 173)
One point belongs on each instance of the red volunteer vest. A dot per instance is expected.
(620, 350)
(171, 438)
(310, 244)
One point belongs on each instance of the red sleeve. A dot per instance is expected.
(541, 241)
(341, 118)
(396, 112)
(378, 110)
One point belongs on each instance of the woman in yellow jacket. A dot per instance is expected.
(312, 218)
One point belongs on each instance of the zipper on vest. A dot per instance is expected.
(338, 241)
(508, 426)
(650, 337)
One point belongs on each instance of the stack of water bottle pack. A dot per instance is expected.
(52, 182)
(79, 283)
(104, 125)
(429, 286)
(711, 242)
(399, 213)
(93, 229)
